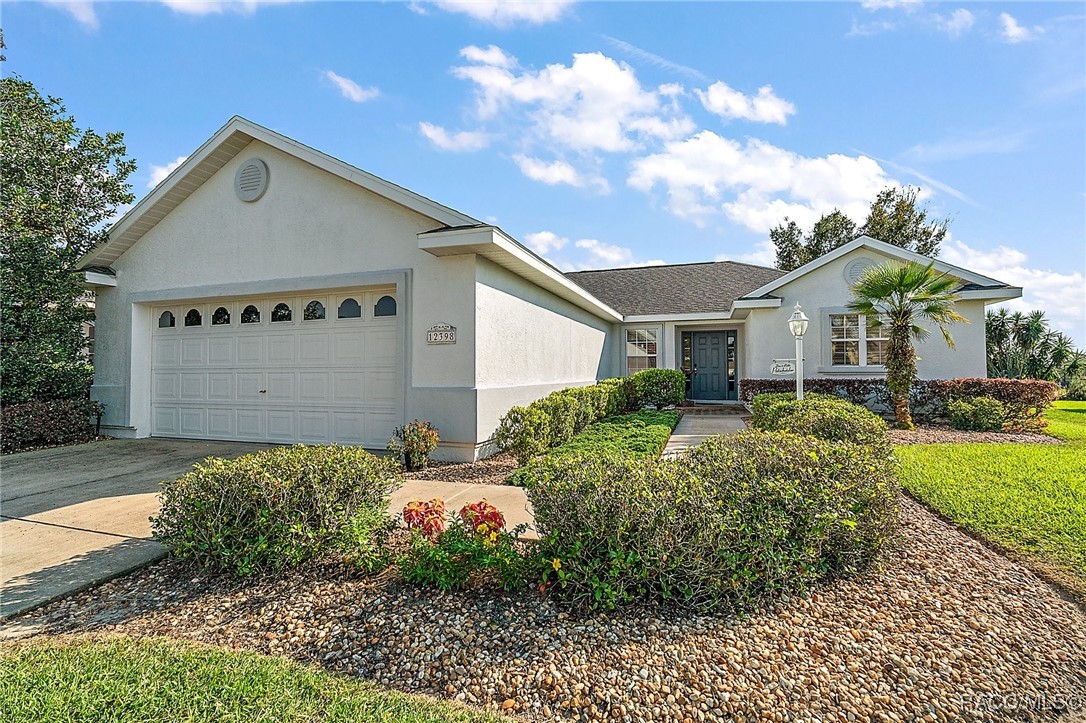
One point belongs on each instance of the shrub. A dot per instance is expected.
(475, 542)
(660, 387)
(275, 508)
(44, 423)
(525, 432)
(829, 418)
(621, 393)
(741, 519)
(982, 414)
(414, 442)
(1076, 390)
(1024, 400)
(764, 406)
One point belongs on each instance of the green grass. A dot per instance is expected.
(120, 679)
(1029, 499)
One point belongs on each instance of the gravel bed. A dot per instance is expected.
(947, 630)
(947, 435)
(493, 470)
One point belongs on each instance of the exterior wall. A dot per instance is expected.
(825, 290)
(530, 343)
(311, 230)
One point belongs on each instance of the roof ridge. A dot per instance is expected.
(668, 266)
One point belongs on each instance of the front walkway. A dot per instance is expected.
(511, 501)
(693, 429)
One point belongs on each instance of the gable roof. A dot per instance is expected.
(973, 282)
(215, 153)
(676, 289)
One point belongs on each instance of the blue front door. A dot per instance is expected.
(714, 369)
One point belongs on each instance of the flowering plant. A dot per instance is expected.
(414, 440)
(483, 519)
(426, 517)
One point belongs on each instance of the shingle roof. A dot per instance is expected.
(678, 289)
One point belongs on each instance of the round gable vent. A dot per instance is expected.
(855, 269)
(251, 180)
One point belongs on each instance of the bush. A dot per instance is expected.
(275, 508)
(764, 406)
(1076, 390)
(26, 380)
(45, 423)
(829, 418)
(413, 442)
(740, 519)
(982, 414)
(1024, 400)
(525, 432)
(660, 387)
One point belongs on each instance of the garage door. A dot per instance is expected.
(296, 368)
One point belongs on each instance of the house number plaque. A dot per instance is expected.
(441, 334)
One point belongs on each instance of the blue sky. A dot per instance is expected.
(607, 134)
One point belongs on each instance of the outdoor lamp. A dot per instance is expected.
(797, 324)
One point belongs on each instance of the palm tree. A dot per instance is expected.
(1021, 346)
(905, 295)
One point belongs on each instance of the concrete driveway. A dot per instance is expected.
(74, 516)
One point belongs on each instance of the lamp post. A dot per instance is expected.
(797, 324)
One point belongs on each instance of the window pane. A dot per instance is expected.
(640, 350)
(281, 312)
(314, 310)
(193, 318)
(385, 306)
(250, 315)
(221, 316)
(845, 352)
(166, 320)
(878, 328)
(844, 326)
(349, 309)
(876, 351)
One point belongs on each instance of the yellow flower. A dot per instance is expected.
(556, 564)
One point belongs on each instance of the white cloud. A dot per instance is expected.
(728, 103)
(502, 13)
(351, 90)
(1014, 33)
(458, 142)
(1062, 295)
(756, 183)
(956, 24)
(908, 5)
(593, 104)
(159, 173)
(861, 30)
(558, 172)
(657, 60)
(545, 242)
(764, 254)
(966, 145)
(584, 254)
(81, 10)
(217, 7)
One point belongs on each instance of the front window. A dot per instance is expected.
(856, 340)
(640, 350)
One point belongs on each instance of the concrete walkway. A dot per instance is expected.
(693, 429)
(511, 501)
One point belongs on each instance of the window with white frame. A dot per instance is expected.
(640, 350)
(856, 340)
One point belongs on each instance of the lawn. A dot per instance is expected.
(1029, 499)
(121, 679)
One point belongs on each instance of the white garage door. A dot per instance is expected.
(292, 368)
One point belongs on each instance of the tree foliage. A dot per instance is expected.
(909, 295)
(896, 217)
(1022, 346)
(61, 185)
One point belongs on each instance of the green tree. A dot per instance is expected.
(907, 295)
(60, 187)
(1022, 346)
(895, 217)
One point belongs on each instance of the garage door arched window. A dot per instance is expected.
(166, 320)
(314, 311)
(349, 309)
(220, 317)
(281, 312)
(385, 306)
(194, 318)
(250, 315)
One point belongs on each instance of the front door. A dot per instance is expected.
(714, 371)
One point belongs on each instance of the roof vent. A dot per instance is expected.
(855, 269)
(251, 180)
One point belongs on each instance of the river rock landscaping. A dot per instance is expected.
(946, 629)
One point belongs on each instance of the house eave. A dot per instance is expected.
(97, 278)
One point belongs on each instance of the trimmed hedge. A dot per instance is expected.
(278, 507)
(46, 423)
(982, 414)
(557, 418)
(1024, 400)
(741, 519)
(825, 417)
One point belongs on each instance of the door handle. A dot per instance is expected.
(263, 391)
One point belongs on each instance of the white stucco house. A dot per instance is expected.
(266, 291)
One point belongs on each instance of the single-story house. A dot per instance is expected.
(266, 291)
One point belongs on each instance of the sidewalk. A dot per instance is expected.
(693, 429)
(512, 501)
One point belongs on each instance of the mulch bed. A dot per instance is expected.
(946, 435)
(493, 470)
(948, 629)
